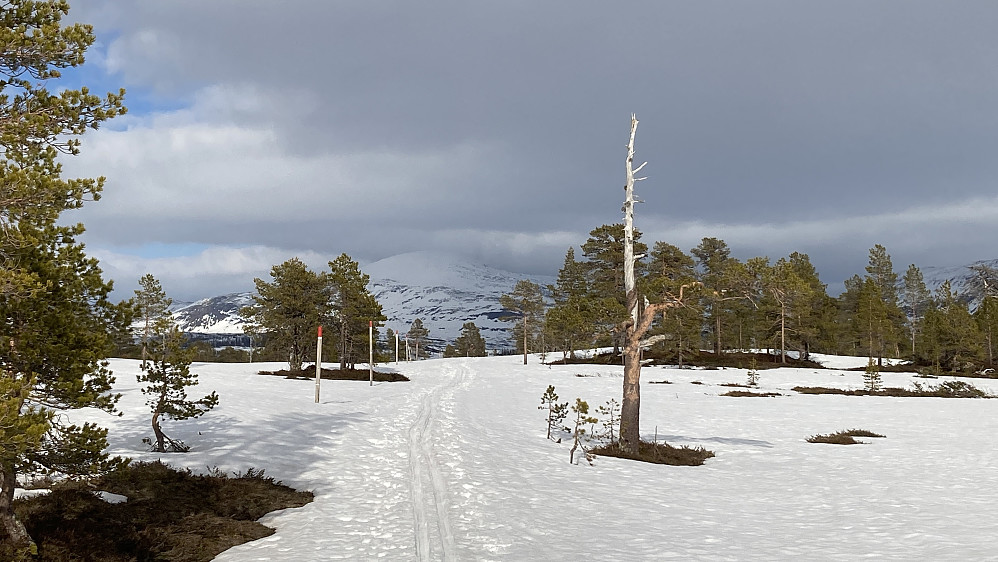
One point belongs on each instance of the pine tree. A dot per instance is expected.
(578, 316)
(353, 307)
(151, 306)
(916, 296)
(793, 298)
(416, 336)
(986, 316)
(713, 260)
(604, 252)
(58, 322)
(610, 416)
(669, 268)
(527, 305)
(289, 309)
(166, 378)
(556, 412)
(470, 342)
(580, 410)
(951, 338)
(880, 272)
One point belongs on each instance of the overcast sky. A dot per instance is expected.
(261, 130)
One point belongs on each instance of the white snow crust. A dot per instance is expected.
(455, 465)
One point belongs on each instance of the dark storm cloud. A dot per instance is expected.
(761, 113)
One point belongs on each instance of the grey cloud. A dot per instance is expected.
(762, 113)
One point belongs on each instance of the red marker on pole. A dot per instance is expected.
(370, 356)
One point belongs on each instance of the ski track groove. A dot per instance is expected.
(425, 475)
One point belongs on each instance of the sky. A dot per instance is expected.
(258, 131)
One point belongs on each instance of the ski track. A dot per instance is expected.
(425, 474)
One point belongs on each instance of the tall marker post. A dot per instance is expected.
(370, 352)
(318, 364)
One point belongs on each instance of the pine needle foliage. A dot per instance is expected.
(555, 412)
(167, 378)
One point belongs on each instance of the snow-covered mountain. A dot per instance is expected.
(441, 290)
(215, 315)
(444, 292)
(964, 281)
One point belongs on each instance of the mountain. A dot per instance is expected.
(442, 290)
(964, 281)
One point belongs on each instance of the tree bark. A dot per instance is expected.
(160, 436)
(524, 338)
(630, 411)
(13, 530)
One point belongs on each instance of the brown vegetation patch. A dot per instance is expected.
(170, 514)
(657, 453)
(744, 393)
(338, 375)
(948, 389)
(843, 437)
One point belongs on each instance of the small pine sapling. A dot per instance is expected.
(753, 372)
(556, 411)
(167, 377)
(610, 414)
(872, 377)
(581, 411)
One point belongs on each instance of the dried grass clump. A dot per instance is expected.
(843, 437)
(657, 453)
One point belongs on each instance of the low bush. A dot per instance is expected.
(843, 437)
(948, 389)
(170, 514)
(338, 375)
(657, 453)
(744, 393)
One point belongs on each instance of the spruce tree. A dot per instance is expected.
(58, 321)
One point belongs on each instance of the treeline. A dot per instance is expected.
(728, 304)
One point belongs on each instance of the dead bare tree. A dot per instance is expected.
(638, 322)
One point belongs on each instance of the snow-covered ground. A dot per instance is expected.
(454, 466)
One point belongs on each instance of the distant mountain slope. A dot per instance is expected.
(444, 292)
(441, 290)
(963, 280)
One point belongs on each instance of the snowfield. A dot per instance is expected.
(455, 466)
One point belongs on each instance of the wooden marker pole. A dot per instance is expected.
(370, 352)
(318, 364)
(396, 347)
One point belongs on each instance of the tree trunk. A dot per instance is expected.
(630, 413)
(717, 332)
(524, 339)
(160, 436)
(13, 530)
(783, 334)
